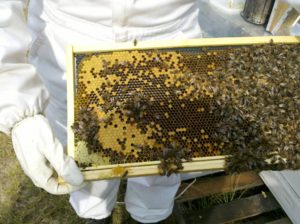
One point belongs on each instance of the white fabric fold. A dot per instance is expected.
(22, 94)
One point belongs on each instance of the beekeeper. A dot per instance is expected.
(33, 107)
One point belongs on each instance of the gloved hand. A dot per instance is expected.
(39, 153)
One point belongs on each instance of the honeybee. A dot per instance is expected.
(171, 160)
(136, 106)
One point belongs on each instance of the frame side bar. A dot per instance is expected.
(70, 100)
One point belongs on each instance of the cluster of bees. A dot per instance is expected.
(257, 95)
(171, 159)
(173, 105)
(86, 127)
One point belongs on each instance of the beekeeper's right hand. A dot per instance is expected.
(23, 97)
(40, 153)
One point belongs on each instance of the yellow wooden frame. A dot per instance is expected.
(150, 168)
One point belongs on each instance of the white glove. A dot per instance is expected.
(39, 152)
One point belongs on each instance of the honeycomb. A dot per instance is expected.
(145, 100)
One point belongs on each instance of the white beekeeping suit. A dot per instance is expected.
(23, 97)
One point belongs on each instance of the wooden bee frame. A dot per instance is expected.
(151, 168)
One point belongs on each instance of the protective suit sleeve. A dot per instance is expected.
(22, 93)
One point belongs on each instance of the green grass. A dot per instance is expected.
(21, 201)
